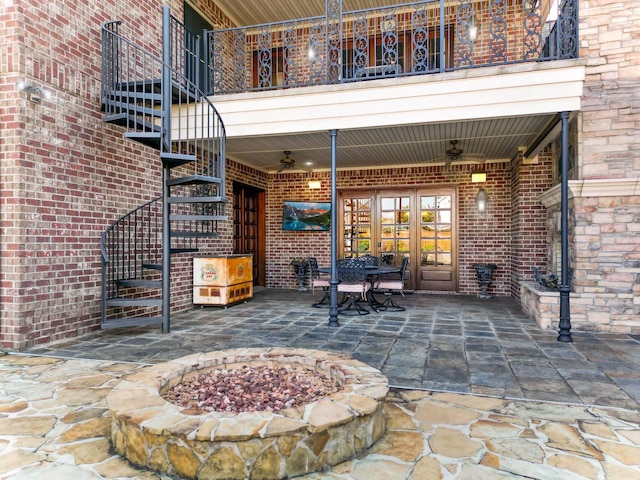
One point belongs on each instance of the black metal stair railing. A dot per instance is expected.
(131, 248)
(134, 96)
(156, 102)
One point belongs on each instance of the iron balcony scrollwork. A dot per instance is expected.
(414, 38)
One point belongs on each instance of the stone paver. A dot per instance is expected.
(45, 435)
(451, 343)
(480, 392)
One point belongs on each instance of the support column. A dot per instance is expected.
(333, 281)
(166, 171)
(564, 333)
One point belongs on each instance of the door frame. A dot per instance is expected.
(414, 192)
(260, 255)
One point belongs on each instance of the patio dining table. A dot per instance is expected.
(373, 271)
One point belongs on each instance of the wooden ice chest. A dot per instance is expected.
(222, 279)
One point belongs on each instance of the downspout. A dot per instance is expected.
(333, 282)
(564, 334)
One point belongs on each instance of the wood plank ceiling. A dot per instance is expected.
(491, 140)
(257, 12)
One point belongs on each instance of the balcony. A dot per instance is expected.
(404, 40)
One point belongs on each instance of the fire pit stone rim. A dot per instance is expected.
(135, 402)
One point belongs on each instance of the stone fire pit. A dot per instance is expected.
(164, 437)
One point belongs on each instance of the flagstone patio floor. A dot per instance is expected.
(478, 391)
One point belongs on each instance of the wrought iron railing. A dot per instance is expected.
(144, 89)
(418, 38)
(131, 248)
(157, 102)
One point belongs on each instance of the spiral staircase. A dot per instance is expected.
(158, 105)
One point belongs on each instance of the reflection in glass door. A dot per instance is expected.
(357, 231)
(395, 229)
(436, 243)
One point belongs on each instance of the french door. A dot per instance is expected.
(419, 224)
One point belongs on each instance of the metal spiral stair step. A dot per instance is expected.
(138, 282)
(134, 302)
(193, 180)
(150, 139)
(154, 87)
(131, 322)
(127, 119)
(193, 234)
(177, 159)
(199, 218)
(197, 200)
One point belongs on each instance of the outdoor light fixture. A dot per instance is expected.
(481, 200)
(473, 29)
(311, 51)
(478, 177)
(34, 94)
(315, 184)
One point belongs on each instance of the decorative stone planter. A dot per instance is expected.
(301, 272)
(484, 271)
(164, 437)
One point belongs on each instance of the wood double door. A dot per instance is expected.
(418, 223)
(249, 227)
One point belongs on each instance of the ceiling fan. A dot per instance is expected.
(288, 163)
(455, 154)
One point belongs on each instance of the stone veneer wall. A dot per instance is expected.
(604, 253)
(605, 193)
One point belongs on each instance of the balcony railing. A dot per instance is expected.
(410, 39)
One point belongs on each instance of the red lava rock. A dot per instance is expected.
(249, 389)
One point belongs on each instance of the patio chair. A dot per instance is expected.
(318, 280)
(354, 284)
(370, 260)
(389, 287)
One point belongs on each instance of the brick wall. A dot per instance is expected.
(483, 238)
(531, 235)
(65, 176)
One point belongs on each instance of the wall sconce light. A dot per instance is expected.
(473, 29)
(315, 184)
(34, 94)
(478, 177)
(481, 200)
(311, 50)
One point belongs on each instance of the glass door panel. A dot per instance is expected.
(419, 224)
(395, 228)
(357, 230)
(436, 242)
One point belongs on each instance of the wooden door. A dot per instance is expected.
(395, 235)
(418, 223)
(249, 227)
(437, 268)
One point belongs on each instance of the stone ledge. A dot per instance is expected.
(161, 436)
(541, 305)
